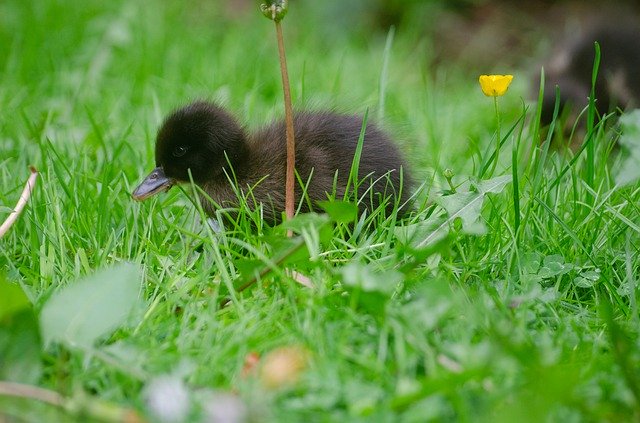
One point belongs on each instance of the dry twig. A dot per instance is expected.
(21, 390)
(24, 197)
(79, 406)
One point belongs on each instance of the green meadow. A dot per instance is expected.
(508, 295)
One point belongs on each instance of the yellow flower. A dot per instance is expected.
(495, 85)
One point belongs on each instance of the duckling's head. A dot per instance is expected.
(200, 139)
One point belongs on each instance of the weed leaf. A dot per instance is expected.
(370, 287)
(340, 211)
(91, 308)
(19, 336)
(467, 207)
(432, 302)
(427, 232)
(493, 186)
(12, 299)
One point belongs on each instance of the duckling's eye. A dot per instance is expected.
(180, 151)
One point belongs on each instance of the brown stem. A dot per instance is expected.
(288, 112)
(22, 201)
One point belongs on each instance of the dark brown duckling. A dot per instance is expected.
(207, 141)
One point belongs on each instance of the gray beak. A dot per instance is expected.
(154, 183)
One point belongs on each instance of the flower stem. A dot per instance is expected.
(498, 139)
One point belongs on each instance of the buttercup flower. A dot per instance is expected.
(495, 85)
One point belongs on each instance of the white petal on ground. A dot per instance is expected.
(167, 399)
(223, 407)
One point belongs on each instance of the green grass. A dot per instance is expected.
(528, 321)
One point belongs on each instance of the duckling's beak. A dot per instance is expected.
(154, 183)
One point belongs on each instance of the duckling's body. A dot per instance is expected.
(207, 140)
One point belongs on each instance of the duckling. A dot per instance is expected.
(205, 141)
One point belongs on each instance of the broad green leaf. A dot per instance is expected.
(530, 262)
(303, 221)
(466, 206)
(365, 277)
(12, 298)
(248, 268)
(530, 278)
(20, 347)
(587, 279)
(288, 251)
(581, 282)
(592, 275)
(362, 398)
(340, 211)
(554, 265)
(493, 186)
(533, 292)
(370, 288)
(432, 302)
(281, 252)
(318, 224)
(91, 308)
(425, 233)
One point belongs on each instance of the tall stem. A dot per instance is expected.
(288, 112)
(498, 139)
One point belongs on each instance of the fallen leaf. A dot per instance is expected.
(283, 366)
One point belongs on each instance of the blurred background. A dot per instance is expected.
(473, 33)
(69, 67)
